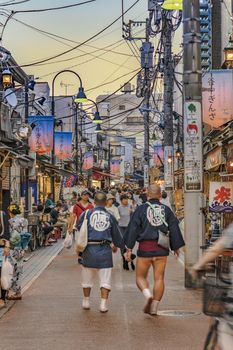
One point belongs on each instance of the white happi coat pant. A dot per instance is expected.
(104, 275)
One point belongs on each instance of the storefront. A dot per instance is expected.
(12, 175)
(218, 189)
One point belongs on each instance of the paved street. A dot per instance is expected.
(34, 264)
(50, 314)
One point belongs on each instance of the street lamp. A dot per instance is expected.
(24, 131)
(41, 100)
(228, 55)
(178, 153)
(169, 160)
(97, 118)
(80, 97)
(172, 5)
(7, 78)
(98, 129)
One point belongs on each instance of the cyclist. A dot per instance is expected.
(225, 327)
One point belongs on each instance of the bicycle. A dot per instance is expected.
(215, 291)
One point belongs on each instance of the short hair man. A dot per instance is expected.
(148, 222)
(103, 232)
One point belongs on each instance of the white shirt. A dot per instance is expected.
(166, 202)
(114, 211)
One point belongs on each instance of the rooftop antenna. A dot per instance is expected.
(66, 85)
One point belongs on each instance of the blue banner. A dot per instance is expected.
(63, 145)
(41, 139)
(88, 161)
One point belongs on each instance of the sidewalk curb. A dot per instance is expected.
(11, 303)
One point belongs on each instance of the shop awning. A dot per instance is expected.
(106, 174)
(55, 168)
(137, 176)
(23, 159)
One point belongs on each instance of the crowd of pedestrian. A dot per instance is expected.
(118, 218)
(112, 218)
(113, 209)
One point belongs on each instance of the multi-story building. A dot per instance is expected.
(216, 27)
(122, 115)
(206, 34)
(13, 157)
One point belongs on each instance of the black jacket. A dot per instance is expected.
(145, 226)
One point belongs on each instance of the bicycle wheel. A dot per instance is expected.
(40, 239)
(212, 337)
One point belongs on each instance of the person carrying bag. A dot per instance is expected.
(98, 234)
(82, 237)
(4, 250)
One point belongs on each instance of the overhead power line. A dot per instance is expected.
(12, 3)
(54, 8)
(83, 43)
(72, 41)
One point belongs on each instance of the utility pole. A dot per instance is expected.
(147, 114)
(76, 139)
(193, 134)
(144, 80)
(168, 101)
(26, 109)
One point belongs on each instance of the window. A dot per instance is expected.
(121, 107)
(134, 120)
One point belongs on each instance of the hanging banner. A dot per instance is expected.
(41, 139)
(168, 167)
(70, 181)
(87, 161)
(63, 145)
(146, 175)
(221, 197)
(193, 167)
(217, 86)
(115, 167)
(158, 155)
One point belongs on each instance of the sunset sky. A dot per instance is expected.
(77, 24)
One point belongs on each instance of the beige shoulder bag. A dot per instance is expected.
(82, 238)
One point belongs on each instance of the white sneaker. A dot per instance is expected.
(103, 306)
(154, 308)
(147, 307)
(86, 304)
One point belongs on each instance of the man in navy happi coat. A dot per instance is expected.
(103, 238)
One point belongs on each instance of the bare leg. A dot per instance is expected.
(86, 292)
(159, 265)
(142, 269)
(87, 282)
(105, 287)
(104, 293)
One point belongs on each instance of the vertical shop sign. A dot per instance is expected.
(193, 167)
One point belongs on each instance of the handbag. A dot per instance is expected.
(164, 237)
(68, 240)
(15, 239)
(7, 274)
(82, 237)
